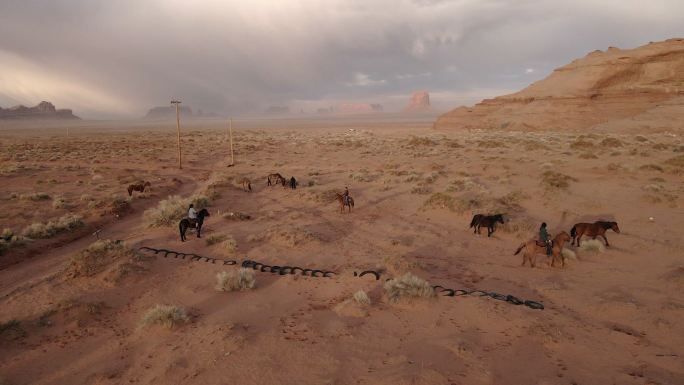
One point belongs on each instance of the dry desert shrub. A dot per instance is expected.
(592, 245)
(39, 230)
(640, 138)
(235, 280)
(215, 238)
(611, 142)
(417, 141)
(568, 254)
(588, 155)
(581, 144)
(172, 209)
(408, 286)
(97, 256)
(362, 298)
(677, 161)
(59, 202)
(651, 167)
(553, 180)
(440, 200)
(168, 316)
(41, 196)
(236, 216)
(11, 330)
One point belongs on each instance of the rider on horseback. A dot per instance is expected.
(544, 238)
(192, 215)
(345, 196)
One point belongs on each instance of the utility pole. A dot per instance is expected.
(177, 103)
(232, 159)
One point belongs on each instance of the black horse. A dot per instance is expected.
(486, 220)
(185, 224)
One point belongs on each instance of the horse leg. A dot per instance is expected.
(199, 229)
(605, 239)
(579, 236)
(533, 260)
(181, 228)
(525, 258)
(490, 231)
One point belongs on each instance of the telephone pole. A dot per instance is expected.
(232, 159)
(177, 103)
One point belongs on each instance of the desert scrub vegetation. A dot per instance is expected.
(40, 230)
(168, 316)
(235, 280)
(226, 242)
(41, 196)
(362, 298)
(59, 202)
(592, 246)
(553, 180)
(408, 286)
(98, 256)
(417, 141)
(11, 330)
(214, 239)
(677, 161)
(440, 200)
(172, 209)
(611, 142)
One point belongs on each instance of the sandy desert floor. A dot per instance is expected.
(612, 315)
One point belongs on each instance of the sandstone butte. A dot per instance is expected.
(419, 102)
(617, 90)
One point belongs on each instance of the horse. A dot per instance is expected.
(349, 203)
(138, 187)
(275, 178)
(533, 247)
(593, 230)
(293, 183)
(486, 220)
(246, 184)
(185, 224)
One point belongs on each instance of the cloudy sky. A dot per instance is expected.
(108, 59)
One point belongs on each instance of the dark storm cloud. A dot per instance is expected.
(118, 58)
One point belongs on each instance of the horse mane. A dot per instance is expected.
(605, 224)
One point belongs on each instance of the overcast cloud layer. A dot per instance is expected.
(119, 58)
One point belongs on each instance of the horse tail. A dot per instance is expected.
(573, 231)
(519, 248)
(474, 221)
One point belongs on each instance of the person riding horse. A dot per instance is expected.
(544, 238)
(192, 215)
(345, 196)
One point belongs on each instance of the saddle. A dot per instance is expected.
(543, 244)
(193, 223)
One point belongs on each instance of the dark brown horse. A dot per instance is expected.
(275, 178)
(349, 203)
(486, 220)
(593, 230)
(138, 187)
(186, 224)
(532, 248)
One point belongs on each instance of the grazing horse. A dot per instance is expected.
(349, 203)
(185, 224)
(138, 187)
(275, 178)
(486, 220)
(293, 183)
(593, 230)
(532, 248)
(246, 184)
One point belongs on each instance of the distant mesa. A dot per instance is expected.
(277, 110)
(617, 90)
(44, 110)
(358, 108)
(419, 102)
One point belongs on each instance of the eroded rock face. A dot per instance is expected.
(420, 101)
(615, 90)
(44, 110)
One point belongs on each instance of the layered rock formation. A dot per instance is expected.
(611, 90)
(44, 110)
(419, 102)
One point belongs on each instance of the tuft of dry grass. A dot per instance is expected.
(568, 254)
(440, 200)
(235, 280)
(408, 286)
(416, 141)
(677, 161)
(172, 209)
(41, 196)
(39, 230)
(362, 298)
(96, 257)
(215, 238)
(552, 180)
(59, 202)
(592, 246)
(168, 316)
(611, 142)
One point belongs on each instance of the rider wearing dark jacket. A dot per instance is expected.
(544, 238)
